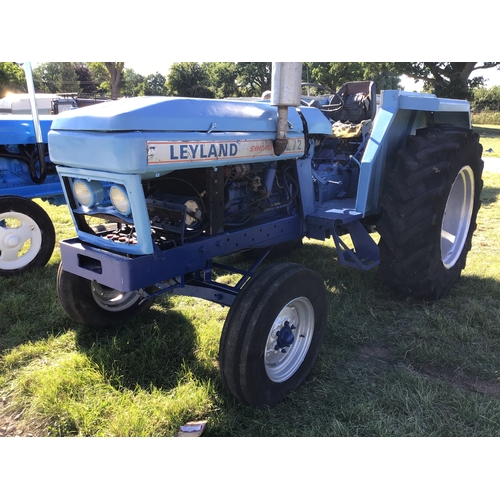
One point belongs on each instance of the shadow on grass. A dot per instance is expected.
(29, 308)
(149, 351)
(489, 195)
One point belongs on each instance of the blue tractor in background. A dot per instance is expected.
(160, 188)
(27, 235)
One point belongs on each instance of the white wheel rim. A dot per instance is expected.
(280, 366)
(20, 240)
(111, 299)
(457, 217)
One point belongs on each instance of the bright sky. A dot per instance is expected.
(146, 68)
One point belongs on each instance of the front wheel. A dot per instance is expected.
(27, 236)
(89, 303)
(430, 200)
(273, 333)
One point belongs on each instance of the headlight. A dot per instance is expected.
(120, 200)
(88, 193)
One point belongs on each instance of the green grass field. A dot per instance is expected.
(490, 139)
(389, 366)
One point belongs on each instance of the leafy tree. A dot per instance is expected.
(222, 77)
(188, 79)
(486, 99)
(446, 79)
(100, 77)
(12, 78)
(153, 85)
(87, 84)
(334, 74)
(253, 78)
(56, 77)
(384, 74)
(107, 77)
(131, 83)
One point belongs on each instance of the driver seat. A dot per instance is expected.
(354, 102)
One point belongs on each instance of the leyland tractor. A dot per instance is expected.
(160, 188)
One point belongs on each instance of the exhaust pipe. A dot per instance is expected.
(285, 91)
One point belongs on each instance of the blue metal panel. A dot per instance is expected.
(19, 129)
(127, 273)
(153, 154)
(400, 114)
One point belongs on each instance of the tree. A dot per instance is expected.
(222, 77)
(153, 85)
(87, 84)
(56, 77)
(188, 79)
(486, 99)
(331, 74)
(334, 74)
(131, 83)
(115, 70)
(12, 78)
(447, 79)
(253, 78)
(384, 74)
(100, 77)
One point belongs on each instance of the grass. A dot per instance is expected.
(486, 118)
(490, 139)
(389, 366)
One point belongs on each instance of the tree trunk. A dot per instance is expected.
(115, 73)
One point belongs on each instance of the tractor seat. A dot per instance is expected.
(354, 102)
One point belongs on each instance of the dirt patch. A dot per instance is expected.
(376, 353)
(460, 380)
(382, 354)
(12, 424)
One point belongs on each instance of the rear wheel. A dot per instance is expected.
(89, 303)
(273, 333)
(430, 201)
(27, 236)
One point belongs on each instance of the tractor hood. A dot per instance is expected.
(154, 135)
(177, 114)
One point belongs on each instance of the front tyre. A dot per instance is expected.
(273, 333)
(430, 200)
(27, 236)
(89, 303)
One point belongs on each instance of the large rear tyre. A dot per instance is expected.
(430, 200)
(273, 333)
(89, 303)
(27, 236)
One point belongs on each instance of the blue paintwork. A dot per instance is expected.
(15, 180)
(400, 115)
(179, 114)
(19, 129)
(122, 134)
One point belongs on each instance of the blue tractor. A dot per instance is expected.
(27, 235)
(159, 188)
